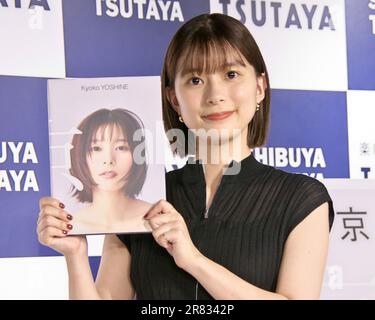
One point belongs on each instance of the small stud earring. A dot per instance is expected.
(180, 118)
(258, 106)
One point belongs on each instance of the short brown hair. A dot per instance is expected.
(128, 122)
(202, 44)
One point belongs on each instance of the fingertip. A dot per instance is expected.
(148, 215)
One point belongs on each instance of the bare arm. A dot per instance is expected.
(81, 282)
(113, 278)
(303, 264)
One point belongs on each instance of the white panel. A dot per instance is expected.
(32, 40)
(350, 271)
(95, 245)
(34, 278)
(361, 115)
(307, 58)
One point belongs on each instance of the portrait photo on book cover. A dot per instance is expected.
(106, 151)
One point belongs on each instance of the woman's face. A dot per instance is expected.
(224, 99)
(109, 159)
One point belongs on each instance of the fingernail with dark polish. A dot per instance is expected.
(69, 216)
(69, 226)
(145, 216)
(65, 232)
(61, 205)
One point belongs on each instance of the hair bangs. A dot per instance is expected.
(108, 131)
(209, 57)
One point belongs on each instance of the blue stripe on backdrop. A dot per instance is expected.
(23, 120)
(312, 119)
(94, 264)
(103, 46)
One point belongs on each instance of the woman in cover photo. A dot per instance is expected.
(261, 233)
(103, 159)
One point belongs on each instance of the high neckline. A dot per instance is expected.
(237, 171)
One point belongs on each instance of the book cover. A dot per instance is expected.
(106, 151)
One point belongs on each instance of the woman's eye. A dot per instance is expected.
(95, 148)
(195, 80)
(232, 74)
(122, 148)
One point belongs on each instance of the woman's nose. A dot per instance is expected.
(109, 158)
(215, 93)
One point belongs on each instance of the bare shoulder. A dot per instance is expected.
(140, 205)
(137, 209)
(304, 257)
(316, 222)
(144, 203)
(82, 211)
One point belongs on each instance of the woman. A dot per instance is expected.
(102, 159)
(260, 233)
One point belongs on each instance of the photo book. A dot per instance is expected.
(107, 145)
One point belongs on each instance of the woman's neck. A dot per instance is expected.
(111, 203)
(216, 157)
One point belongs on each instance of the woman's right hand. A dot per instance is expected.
(53, 229)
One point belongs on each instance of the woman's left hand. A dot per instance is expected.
(170, 231)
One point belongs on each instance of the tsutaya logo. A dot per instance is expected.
(15, 153)
(142, 9)
(29, 4)
(281, 14)
(371, 17)
(293, 157)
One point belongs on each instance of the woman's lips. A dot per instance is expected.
(218, 116)
(108, 174)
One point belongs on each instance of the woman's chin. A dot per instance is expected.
(110, 188)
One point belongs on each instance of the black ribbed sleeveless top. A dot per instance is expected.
(245, 230)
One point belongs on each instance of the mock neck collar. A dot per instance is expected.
(237, 171)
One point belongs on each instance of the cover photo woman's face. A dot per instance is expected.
(109, 159)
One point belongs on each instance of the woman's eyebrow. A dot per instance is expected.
(188, 72)
(236, 63)
(117, 140)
